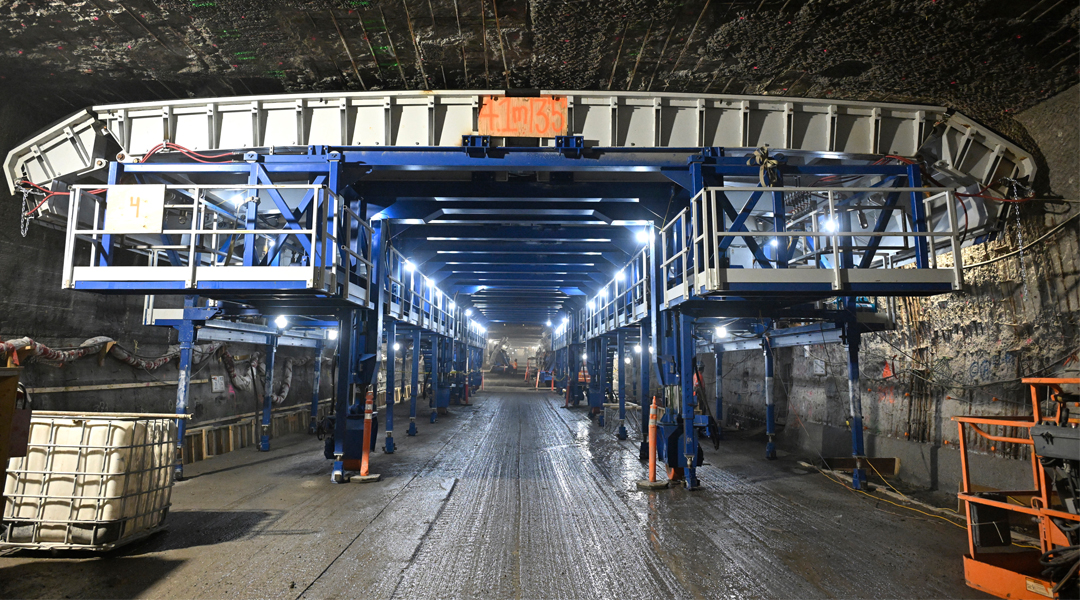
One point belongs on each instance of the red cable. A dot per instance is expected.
(166, 145)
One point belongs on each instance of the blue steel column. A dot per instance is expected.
(316, 382)
(415, 381)
(689, 401)
(779, 225)
(433, 402)
(186, 331)
(250, 216)
(719, 414)
(346, 333)
(391, 355)
(858, 475)
(572, 369)
(620, 341)
(645, 364)
(770, 402)
(601, 345)
(918, 218)
(268, 393)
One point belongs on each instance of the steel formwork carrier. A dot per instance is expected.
(326, 206)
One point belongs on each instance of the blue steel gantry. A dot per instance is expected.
(659, 228)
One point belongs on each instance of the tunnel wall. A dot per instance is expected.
(950, 355)
(33, 304)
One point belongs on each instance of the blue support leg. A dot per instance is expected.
(602, 361)
(770, 401)
(391, 355)
(858, 475)
(645, 364)
(719, 414)
(316, 382)
(343, 394)
(268, 394)
(186, 332)
(415, 381)
(620, 341)
(689, 401)
(435, 342)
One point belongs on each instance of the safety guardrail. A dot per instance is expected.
(414, 299)
(822, 251)
(621, 302)
(217, 241)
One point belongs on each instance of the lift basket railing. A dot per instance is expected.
(229, 238)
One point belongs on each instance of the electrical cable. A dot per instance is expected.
(1052, 231)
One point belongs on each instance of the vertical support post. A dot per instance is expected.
(918, 218)
(779, 226)
(645, 364)
(391, 355)
(770, 401)
(603, 377)
(719, 391)
(346, 342)
(316, 383)
(369, 359)
(689, 401)
(620, 342)
(116, 171)
(268, 393)
(250, 218)
(433, 401)
(572, 369)
(186, 331)
(417, 335)
(854, 340)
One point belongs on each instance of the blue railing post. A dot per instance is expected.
(779, 226)
(918, 218)
(250, 217)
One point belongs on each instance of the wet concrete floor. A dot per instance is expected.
(513, 497)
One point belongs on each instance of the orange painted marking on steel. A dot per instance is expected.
(368, 409)
(545, 116)
(652, 439)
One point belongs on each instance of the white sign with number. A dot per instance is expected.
(134, 209)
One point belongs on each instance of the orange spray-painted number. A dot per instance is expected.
(523, 117)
